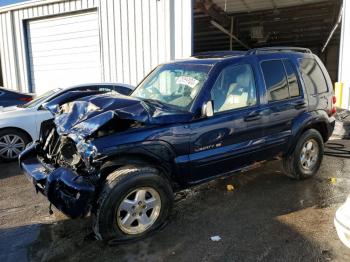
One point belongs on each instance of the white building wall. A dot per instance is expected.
(135, 35)
(344, 55)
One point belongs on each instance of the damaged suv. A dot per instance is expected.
(122, 157)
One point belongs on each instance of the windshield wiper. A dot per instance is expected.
(154, 101)
(162, 104)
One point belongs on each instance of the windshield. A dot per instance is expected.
(39, 99)
(173, 84)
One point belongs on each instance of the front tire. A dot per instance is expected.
(134, 202)
(306, 158)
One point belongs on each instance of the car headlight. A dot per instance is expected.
(87, 152)
(69, 153)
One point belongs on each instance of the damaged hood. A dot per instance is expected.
(86, 115)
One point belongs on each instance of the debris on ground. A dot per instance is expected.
(230, 187)
(215, 238)
(333, 180)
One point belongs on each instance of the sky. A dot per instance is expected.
(8, 2)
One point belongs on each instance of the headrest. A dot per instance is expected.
(243, 79)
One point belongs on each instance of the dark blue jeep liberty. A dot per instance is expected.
(122, 157)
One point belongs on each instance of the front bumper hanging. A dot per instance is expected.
(64, 188)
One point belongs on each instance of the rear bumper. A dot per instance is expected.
(65, 189)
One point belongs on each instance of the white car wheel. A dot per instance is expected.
(12, 144)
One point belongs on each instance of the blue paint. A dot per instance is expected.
(187, 146)
(13, 98)
(10, 2)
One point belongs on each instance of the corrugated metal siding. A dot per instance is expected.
(135, 36)
(9, 66)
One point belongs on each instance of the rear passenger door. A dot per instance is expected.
(284, 101)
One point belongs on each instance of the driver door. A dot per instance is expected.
(232, 137)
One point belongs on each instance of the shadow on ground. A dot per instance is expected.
(247, 220)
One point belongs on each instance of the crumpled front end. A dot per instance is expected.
(65, 165)
(65, 189)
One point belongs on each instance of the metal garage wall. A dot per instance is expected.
(135, 35)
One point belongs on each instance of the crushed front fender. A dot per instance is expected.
(66, 190)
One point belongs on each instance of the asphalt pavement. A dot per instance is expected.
(266, 217)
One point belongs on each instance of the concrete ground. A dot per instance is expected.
(267, 217)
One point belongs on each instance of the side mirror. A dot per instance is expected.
(207, 109)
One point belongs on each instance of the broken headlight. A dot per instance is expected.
(68, 152)
(87, 152)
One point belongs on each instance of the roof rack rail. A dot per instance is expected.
(218, 54)
(279, 48)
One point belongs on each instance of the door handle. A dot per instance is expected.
(252, 117)
(299, 105)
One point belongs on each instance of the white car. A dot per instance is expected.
(342, 222)
(19, 125)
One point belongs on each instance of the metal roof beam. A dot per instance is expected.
(214, 11)
(222, 29)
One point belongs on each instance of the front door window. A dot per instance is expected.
(234, 88)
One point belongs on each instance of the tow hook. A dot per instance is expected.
(50, 209)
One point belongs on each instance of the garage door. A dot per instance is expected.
(64, 51)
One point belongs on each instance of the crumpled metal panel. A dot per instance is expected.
(53, 105)
(86, 115)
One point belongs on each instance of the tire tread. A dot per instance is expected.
(118, 176)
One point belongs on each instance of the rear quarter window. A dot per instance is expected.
(313, 77)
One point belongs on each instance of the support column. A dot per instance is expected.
(1, 82)
(344, 55)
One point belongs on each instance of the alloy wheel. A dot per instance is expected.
(139, 210)
(11, 146)
(309, 154)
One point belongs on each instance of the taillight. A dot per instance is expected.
(25, 99)
(333, 108)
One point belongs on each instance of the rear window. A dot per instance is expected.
(313, 77)
(275, 80)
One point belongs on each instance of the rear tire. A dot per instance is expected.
(306, 158)
(134, 202)
(12, 142)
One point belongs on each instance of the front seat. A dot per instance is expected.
(240, 93)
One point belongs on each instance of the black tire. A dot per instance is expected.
(13, 132)
(292, 165)
(117, 187)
